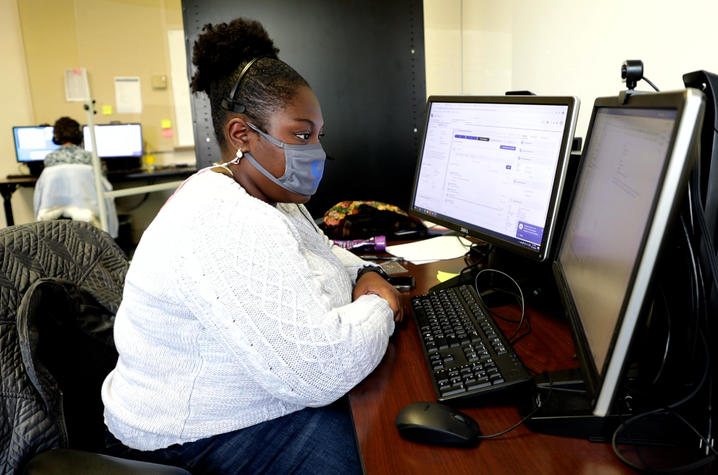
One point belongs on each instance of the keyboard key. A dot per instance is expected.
(454, 391)
(478, 385)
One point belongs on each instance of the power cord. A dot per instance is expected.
(699, 214)
(670, 410)
(649, 82)
(539, 405)
(706, 441)
(520, 300)
(684, 468)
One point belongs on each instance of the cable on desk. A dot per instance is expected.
(683, 468)
(670, 410)
(528, 416)
(699, 306)
(520, 300)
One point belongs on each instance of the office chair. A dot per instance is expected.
(68, 191)
(60, 286)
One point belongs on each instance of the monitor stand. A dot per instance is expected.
(566, 408)
(535, 278)
(467, 276)
(35, 168)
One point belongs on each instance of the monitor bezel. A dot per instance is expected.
(105, 157)
(543, 252)
(602, 384)
(17, 147)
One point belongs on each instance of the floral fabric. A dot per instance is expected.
(68, 154)
(336, 214)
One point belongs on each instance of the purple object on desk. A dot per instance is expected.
(376, 244)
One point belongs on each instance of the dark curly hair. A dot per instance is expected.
(66, 130)
(221, 52)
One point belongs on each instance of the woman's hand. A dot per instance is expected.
(373, 283)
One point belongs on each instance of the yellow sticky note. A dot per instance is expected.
(106, 110)
(166, 124)
(442, 276)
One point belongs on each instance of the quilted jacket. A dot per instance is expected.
(83, 270)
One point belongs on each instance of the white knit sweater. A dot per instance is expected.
(235, 312)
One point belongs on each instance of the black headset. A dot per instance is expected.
(230, 103)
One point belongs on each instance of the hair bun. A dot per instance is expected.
(221, 47)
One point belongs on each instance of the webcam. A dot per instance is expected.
(632, 72)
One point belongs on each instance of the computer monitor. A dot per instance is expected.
(633, 173)
(33, 143)
(115, 140)
(494, 167)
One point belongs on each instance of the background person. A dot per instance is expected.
(68, 135)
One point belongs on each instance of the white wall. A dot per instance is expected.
(442, 46)
(16, 105)
(565, 47)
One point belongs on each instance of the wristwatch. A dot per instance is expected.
(376, 269)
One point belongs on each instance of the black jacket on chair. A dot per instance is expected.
(60, 286)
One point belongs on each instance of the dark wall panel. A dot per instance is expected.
(365, 61)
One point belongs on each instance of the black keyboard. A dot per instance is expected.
(466, 353)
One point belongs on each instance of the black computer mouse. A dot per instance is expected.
(437, 424)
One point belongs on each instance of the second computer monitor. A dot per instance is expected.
(635, 163)
(494, 167)
(33, 143)
(115, 140)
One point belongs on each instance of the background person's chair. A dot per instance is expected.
(60, 286)
(69, 191)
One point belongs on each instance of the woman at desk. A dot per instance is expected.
(241, 324)
(67, 134)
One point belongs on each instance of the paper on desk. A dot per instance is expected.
(442, 276)
(430, 250)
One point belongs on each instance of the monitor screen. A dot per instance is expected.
(494, 167)
(115, 140)
(634, 166)
(33, 143)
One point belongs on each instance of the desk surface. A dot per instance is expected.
(402, 378)
(19, 180)
(163, 172)
(158, 173)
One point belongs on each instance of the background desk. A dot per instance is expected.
(8, 187)
(160, 175)
(402, 378)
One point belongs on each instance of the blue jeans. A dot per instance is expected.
(313, 440)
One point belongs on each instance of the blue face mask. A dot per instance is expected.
(303, 168)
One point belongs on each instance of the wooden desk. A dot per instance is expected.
(402, 378)
(162, 174)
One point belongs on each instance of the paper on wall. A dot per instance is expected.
(128, 96)
(77, 87)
